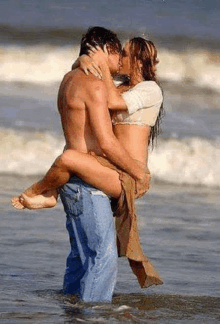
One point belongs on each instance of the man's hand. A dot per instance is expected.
(143, 184)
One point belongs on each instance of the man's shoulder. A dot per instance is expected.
(91, 83)
(73, 75)
(88, 81)
(86, 87)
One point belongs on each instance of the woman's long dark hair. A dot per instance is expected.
(145, 51)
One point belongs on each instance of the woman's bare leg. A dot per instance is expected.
(85, 166)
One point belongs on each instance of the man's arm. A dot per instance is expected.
(96, 103)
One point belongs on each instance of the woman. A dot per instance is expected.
(136, 116)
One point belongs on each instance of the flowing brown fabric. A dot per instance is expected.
(127, 230)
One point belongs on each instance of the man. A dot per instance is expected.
(82, 103)
(91, 267)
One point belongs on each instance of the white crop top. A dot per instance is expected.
(143, 105)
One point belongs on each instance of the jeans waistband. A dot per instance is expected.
(76, 180)
(95, 191)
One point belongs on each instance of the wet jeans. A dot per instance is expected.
(91, 266)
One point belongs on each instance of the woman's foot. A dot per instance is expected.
(47, 200)
(41, 201)
(16, 203)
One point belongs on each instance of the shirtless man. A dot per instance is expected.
(82, 102)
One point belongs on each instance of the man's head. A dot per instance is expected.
(99, 36)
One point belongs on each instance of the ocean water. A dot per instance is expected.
(178, 218)
(179, 230)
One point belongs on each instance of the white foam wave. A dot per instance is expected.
(192, 161)
(48, 64)
(28, 153)
(199, 67)
(36, 64)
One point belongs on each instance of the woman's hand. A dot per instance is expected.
(88, 65)
(98, 55)
(94, 61)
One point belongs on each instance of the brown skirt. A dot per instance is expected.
(128, 242)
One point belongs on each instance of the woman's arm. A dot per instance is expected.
(97, 64)
(88, 65)
(115, 99)
(75, 65)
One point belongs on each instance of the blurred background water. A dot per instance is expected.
(179, 218)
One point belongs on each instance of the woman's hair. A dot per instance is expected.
(100, 36)
(144, 51)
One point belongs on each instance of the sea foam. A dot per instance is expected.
(48, 63)
(28, 153)
(193, 161)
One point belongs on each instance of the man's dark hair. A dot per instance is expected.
(100, 36)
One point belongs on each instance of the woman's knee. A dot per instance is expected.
(66, 159)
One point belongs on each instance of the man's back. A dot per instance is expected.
(72, 105)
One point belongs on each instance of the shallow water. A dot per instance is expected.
(179, 232)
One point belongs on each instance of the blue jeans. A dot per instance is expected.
(91, 266)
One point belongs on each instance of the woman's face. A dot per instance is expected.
(125, 67)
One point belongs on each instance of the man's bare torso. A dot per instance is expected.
(72, 99)
(87, 126)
